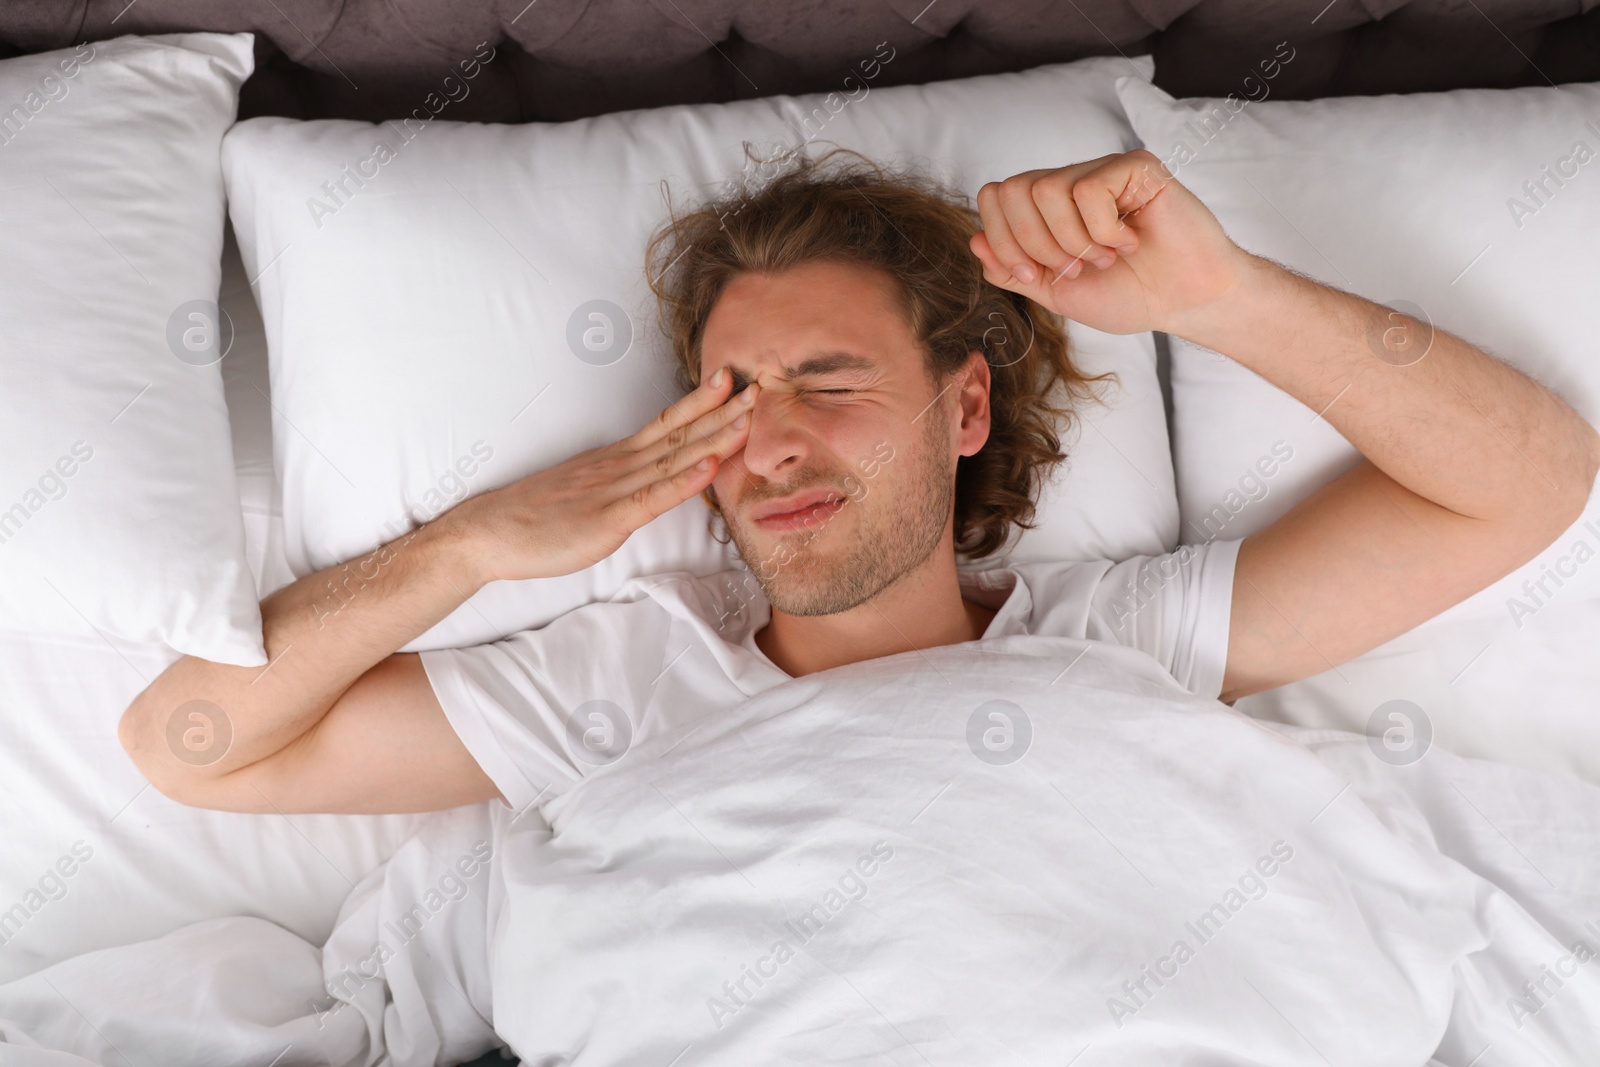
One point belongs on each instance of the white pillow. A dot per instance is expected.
(118, 508)
(424, 305)
(1408, 198)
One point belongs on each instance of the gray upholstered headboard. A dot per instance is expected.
(564, 59)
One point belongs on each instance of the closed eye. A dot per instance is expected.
(832, 392)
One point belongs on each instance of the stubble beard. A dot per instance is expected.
(892, 537)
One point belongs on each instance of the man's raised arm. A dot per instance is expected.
(1471, 468)
(338, 721)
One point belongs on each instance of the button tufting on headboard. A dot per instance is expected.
(564, 59)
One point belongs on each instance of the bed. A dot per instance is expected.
(143, 868)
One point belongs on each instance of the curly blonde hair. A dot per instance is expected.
(917, 231)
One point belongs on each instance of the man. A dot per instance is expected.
(831, 425)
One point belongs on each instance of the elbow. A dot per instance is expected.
(130, 734)
(1577, 500)
(143, 740)
(180, 750)
(1592, 470)
(1546, 525)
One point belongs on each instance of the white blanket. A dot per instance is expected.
(841, 871)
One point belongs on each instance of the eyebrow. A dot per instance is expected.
(817, 364)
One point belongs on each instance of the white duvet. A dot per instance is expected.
(834, 874)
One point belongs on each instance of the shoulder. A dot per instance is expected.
(1058, 595)
(1110, 599)
(1174, 606)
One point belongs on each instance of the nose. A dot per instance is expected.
(777, 442)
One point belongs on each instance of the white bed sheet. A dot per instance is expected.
(143, 865)
(1407, 910)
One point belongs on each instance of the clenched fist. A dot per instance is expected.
(1115, 243)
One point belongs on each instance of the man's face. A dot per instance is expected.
(846, 481)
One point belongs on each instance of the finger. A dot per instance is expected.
(1120, 188)
(997, 228)
(719, 434)
(1053, 244)
(657, 497)
(682, 412)
(1000, 276)
(994, 272)
(1055, 198)
(696, 433)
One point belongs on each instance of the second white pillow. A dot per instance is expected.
(449, 307)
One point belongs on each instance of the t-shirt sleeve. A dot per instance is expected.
(1176, 607)
(527, 706)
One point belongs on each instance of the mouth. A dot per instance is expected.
(798, 511)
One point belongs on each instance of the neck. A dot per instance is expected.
(922, 609)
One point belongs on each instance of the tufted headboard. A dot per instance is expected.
(565, 59)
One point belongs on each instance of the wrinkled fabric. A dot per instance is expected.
(933, 905)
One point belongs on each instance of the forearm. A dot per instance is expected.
(321, 634)
(1455, 426)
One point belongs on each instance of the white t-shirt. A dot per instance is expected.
(642, 672)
